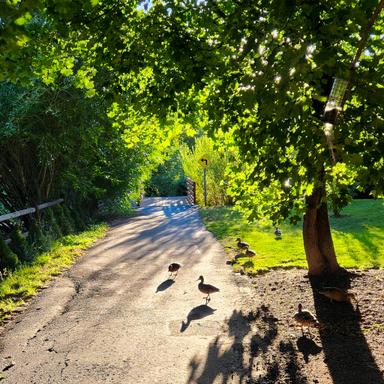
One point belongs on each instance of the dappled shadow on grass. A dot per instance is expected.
(363, 228)
(246, 359)
(347, 353)
(359, 215)
(248, 264)
(369, 241)
(358, 235)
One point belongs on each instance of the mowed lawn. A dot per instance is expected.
(358, 237)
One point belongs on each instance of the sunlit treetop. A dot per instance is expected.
(261, 69)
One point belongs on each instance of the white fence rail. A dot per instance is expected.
(28, 211)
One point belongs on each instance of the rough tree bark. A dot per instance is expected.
(318, 244)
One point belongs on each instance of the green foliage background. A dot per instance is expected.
(168, 179)
(94, 92)
(218, 161)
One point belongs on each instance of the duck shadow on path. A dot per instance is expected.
(165, 285)
(196, 313)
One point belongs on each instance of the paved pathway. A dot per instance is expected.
(114, 317)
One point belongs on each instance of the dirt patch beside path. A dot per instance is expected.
(349, 348)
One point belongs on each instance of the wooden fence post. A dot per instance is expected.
(191, 191)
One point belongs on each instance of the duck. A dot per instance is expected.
(173, 268)
(338, 294)
(242, 245)
(250, 253)
(278, 232)
(305, 319)
(206, 288)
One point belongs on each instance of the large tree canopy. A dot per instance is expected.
(279, 62)
(261, 70)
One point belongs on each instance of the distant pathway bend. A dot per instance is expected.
(114, 317)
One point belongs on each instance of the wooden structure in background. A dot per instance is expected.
(191, 191)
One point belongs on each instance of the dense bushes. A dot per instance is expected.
(168, 179)
(8, 259)
(216, 179)
(57, 143)
(64, 221)
(19, 244)
(49, 225)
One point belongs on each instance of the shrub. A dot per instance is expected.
(51, 222)
(63, 220)
(69, 217)
(121, 206)
(38, 240)
(168, 179)
(77, 219)
(19, 244)
(8, 259)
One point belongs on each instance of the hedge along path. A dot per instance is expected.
(114, 317)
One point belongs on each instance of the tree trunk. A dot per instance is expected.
(318, 244)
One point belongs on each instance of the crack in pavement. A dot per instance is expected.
(66, 364)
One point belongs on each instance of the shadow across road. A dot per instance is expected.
(246, 359)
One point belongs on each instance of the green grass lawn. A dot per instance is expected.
(27, 279)
(358, 237)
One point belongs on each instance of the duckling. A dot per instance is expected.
(241, 244)
(278, 232)
(174, 268)
(206, 288)
(338, 294)
(250, 253)
(305, 319)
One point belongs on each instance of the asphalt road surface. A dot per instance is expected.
(115, 317)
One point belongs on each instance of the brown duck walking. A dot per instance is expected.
(305, 319)
(206, 288)
(174, 268)
(338, 294)
(250, 253)
(242, 245)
